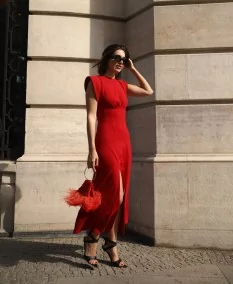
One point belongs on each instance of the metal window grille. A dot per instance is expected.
(13, 63)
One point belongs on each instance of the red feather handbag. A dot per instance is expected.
(86, 196)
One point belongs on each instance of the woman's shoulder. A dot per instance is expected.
(93, 77)
(123, 83)
(95, 80)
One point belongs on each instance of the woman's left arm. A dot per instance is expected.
(144, 88)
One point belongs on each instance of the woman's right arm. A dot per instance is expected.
(91, 106)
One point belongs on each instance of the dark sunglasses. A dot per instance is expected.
(118, 58)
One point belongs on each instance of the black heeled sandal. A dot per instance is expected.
(106, 248)
(89, 241)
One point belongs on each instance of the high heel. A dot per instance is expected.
(106, 248)
(86, 241)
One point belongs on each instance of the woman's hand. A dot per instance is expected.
(93, 160)
(130, 64)
(144, 89)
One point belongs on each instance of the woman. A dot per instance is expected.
(109, 150)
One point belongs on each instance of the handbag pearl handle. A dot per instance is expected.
(85, 174)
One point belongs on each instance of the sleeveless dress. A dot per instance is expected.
(113, 146)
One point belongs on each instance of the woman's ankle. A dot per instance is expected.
(93, 235)
(111, 237)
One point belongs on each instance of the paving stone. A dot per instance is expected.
(48, 259)
(144, 279)
(227, 271)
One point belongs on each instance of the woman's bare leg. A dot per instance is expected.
(112, 235)
(91, 248)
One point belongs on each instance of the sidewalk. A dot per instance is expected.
(59, 261)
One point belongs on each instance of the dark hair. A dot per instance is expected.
(102, 64)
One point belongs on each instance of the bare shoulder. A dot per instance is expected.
(90, 88)
(93, 87)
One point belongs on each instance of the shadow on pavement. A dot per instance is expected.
(13, 251)
(134, 238)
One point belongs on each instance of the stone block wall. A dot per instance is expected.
(65, 38)
(183, 134)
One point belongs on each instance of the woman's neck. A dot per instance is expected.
(110, 75)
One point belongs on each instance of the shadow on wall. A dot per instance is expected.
(9, 195)
(143, 134)
(104, 32)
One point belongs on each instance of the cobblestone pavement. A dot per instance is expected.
(46, 260)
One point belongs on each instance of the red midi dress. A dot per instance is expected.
(113, 146)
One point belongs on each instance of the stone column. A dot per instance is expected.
(181, 192)
(65, 38)
(142, 118)
(7, 197)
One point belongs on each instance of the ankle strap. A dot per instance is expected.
(110, 241)
(93, 239)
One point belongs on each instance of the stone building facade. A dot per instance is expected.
(181, 186)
